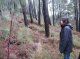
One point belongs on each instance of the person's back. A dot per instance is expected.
(66, 40)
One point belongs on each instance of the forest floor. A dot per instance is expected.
(30, 42)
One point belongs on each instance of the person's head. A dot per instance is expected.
(64, 21)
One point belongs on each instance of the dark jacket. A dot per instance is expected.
(79, 56)
(65, 45)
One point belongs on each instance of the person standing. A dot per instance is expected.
(66, 41)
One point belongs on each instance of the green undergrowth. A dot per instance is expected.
(76, 41)
(4, 33)
(72, 56)
(24, 35)
(43, 54)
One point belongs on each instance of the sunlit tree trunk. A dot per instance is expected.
(48, 13)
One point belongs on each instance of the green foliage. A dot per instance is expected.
(5, 33)
(1, 2)
(24, 35)
(5, 17)
(23, 2)
(76, 41)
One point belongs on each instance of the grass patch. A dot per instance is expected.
(43, 54)
(42, 30)
(72, 56)
(6, 17)
(4, 33)
(2, 54)
(46, 54)
(61, 56)
(76, 41)
(24, 35)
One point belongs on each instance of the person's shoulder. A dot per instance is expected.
(67, 28)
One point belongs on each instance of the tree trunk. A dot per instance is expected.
(39, 15)
(79, 15)
(9, 6)
(24, 13)
(76, 14)
(60, 10)
(48, 13)
(0, 13)
(46, 16)
(34, 10)
(30, 10)
(15, 7)
(25, 17)
(53, 13)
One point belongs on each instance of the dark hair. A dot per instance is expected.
(65, 20)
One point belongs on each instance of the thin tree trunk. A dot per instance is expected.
(53, 13)
(79, 15)
(25, 17)
(46, 16)
(76, 14)
(9, 8)
(0, 13)
(60, 10)
(15, 7)
(48, 13)
(24, 14)
(39, 15)
(30, 10)
(34, 10)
